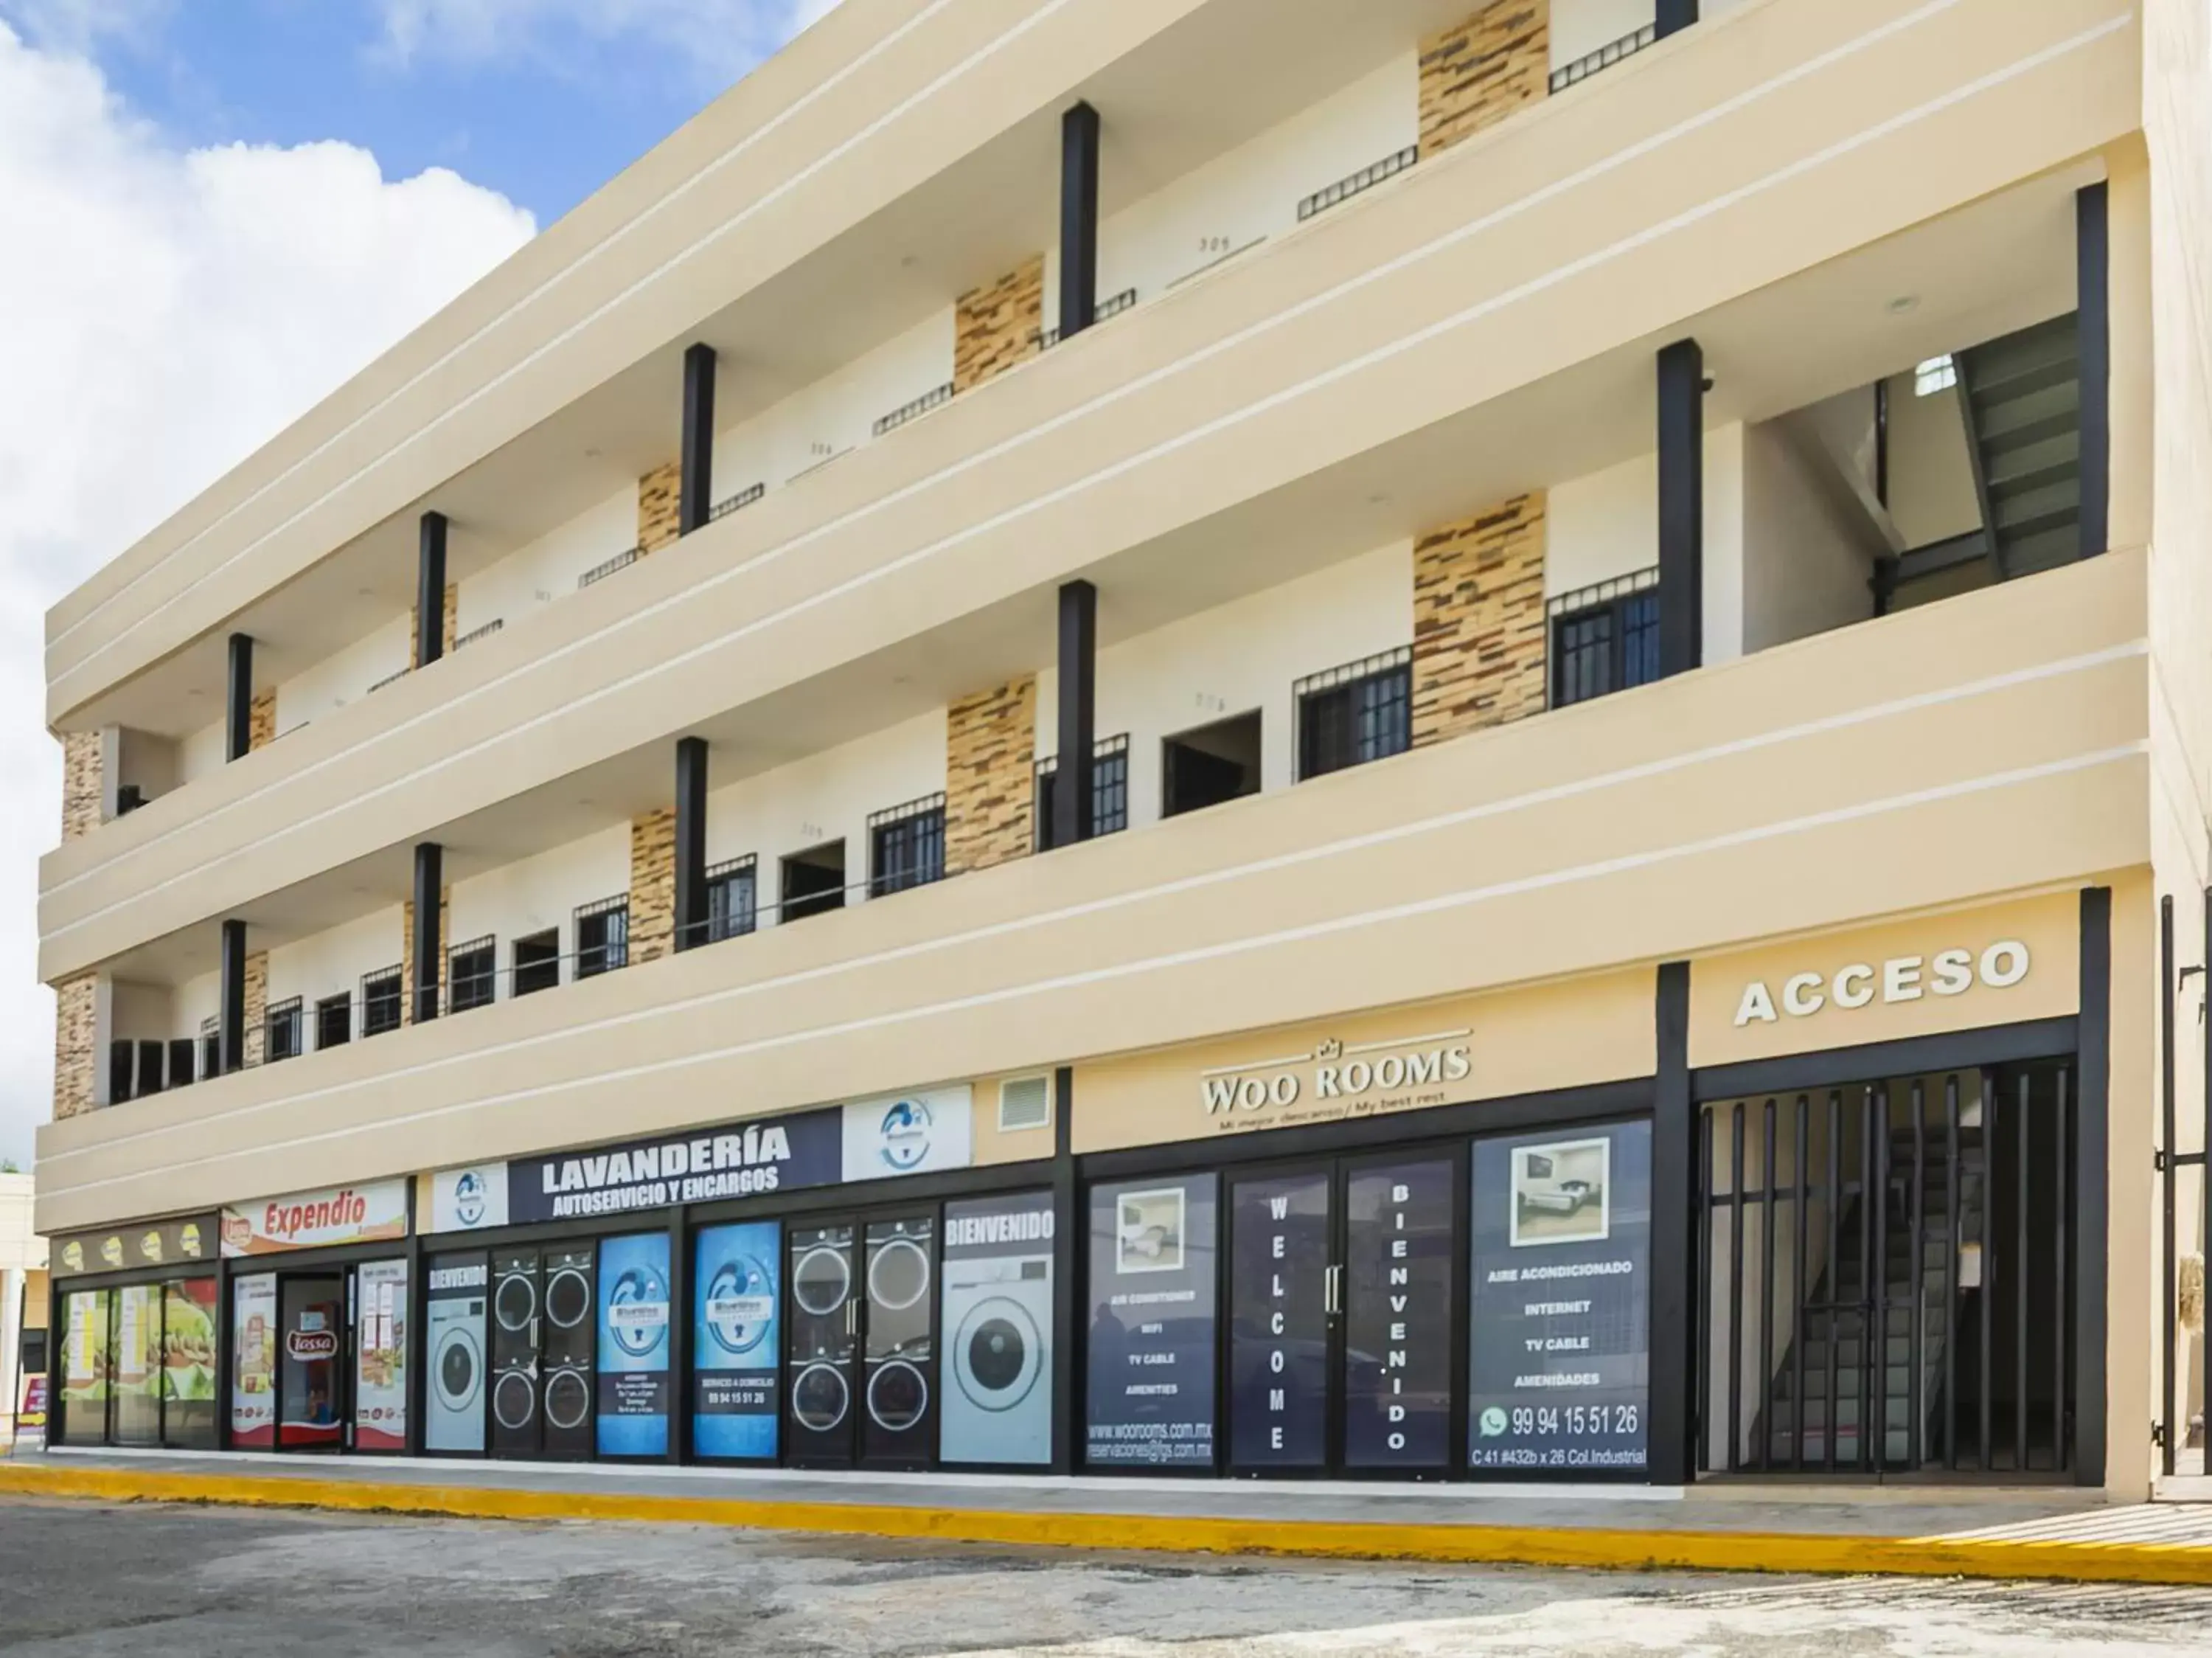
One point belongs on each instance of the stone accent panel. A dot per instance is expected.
(998, 324)
(1476, 73)
(261, 721)
(449, 631)
(1479, 635)
(75, 1037)
(659, 506)
(653, 885)
(990, 777)
(257, 1007)
(82, 787)
(407, 954)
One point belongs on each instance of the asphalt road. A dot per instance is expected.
(93, 1582)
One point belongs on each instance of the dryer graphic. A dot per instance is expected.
(456, 1416)
(998, 1320)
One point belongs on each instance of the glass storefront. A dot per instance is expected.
(138, 1365)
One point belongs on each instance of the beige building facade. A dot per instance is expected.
(1201, 735)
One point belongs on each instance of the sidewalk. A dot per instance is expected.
(1975, 1532)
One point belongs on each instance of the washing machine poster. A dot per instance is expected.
(379, 1397)
(1559, 1375)
(1153, 1259)
(734, 1344)
(633, 1346)
(458, 1292)
(998, 1330)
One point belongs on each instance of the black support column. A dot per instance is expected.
(238, 706)
(2093, 321)
(1078, 712)
(430, 590)
(696, 497)
(1673, 1255)
(233, 1019)
(1681, 507)
(690, 842)
(429, 945)
(1675, 16)
(1079, 220)
(1069, 1267)
(2092, 1174)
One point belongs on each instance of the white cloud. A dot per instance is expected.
(722, 38)
(163, 312)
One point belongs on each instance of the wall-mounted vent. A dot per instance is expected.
(1024, 1102)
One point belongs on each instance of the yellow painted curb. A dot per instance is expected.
(1523, 1546)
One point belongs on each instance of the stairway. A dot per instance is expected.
(1849, 1329)
(2021, 398)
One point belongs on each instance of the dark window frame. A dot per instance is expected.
(383, 993)
(914, 834)
(724, 918)
(542, 970)
(211, 1048)
(470, 983)
(1110, 790)
(1172, 805)
(333, 1012)
(1602, 638)
(1376, 693)
(181, 1058)
(609, 951)
(289, 1018)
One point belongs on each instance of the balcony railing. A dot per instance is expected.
(1604, 58)
(1112, 306)
(621, 561)
(935, 397)
(1366, 179)
(736, 502)
(476, 633)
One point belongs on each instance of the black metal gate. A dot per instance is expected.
(2183, 1177)
(1886, 1279)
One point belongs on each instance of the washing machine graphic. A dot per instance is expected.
(515, 1281)
(821, 1326)
(998, 1340)
(570, 1343)
(458, 1377)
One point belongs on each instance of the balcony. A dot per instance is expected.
(1452, 375)
(1998, 733)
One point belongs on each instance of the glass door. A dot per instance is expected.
(1343, 1318)
(516, 1316)
(84, 1367)
(569, 1333)
(823, 1317)
(310, 1362)
(900, 1362)
(188, 1364)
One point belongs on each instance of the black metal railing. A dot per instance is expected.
(906, 846)
(1882, 1278)
(474, 634)
(1112, 306)
(390, 678)
(1353, 184)
(602, 935)
(599, 572)
(1110, 790)
(1603, 637)
(1355, 712)
(1612, 53)
(736, 502)
(936, 397)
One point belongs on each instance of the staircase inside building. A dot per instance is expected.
(1840, 1318)
(2022, 396)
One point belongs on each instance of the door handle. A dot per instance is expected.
(1333, 1290)
(852, 1319)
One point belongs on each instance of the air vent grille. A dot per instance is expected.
(1024, 1102)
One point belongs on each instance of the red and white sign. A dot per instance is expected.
(309, 1345)
(314, 1220)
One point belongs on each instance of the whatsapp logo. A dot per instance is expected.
(1493, 1422)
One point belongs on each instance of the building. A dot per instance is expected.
(1240, 736)
(23, 1301)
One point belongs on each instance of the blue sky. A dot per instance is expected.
(542, 100)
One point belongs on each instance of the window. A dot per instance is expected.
(1605, 638)
(471, 973)
(813, 881)
(333, 1023)
(536, 962)
(379, 1001)
(731, 898)
(603, 937)
(1210, 764)
(1938, 374)
(180, 1062)
(906, 846)
(210, 1047)
(280, 1032)
(1359, 712)
(1110, 790)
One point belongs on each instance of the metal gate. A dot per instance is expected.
(1886, 1280)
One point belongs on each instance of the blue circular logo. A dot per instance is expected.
(740, 1305)
(637, 1311)
(468, 1198)
(905, 1135)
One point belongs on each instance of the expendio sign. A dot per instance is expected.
(1898, 978)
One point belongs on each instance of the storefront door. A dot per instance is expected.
(1343, 1312)
(543, 1351)
(862, 1313)
(312, 1362)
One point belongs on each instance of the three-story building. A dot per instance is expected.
(1236, 736)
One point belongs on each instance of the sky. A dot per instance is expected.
(212, 213)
